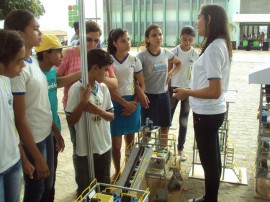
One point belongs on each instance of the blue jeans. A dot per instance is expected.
(40, 190)
(55, 167)
(10, 183)
(183, 120)
(206, 133)
(72, 133)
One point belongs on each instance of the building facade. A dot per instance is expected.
(245, 17)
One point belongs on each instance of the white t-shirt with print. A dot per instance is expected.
(100, 128)
(213, 63)
(9, 139)
(124, 72)
(183, 77)
(33, 84)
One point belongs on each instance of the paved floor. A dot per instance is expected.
(242, 132)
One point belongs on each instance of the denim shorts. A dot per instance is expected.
(159, 110)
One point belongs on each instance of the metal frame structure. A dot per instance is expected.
(113, 192)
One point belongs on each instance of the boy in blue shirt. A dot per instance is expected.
(49, 55)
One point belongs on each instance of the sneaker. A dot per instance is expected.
(200, 199)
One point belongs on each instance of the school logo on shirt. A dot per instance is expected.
(132, 66)
(52, 85)
(132, 62)
(158, 67)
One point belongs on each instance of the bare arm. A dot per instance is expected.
(139, 88)
(28, 168)
(94, 109)
(62, 81)
(212, 92)
(27, 137)
(111, 81)
(60, 143)
(174, 68)
(118, 98)
(129, 106)
(73, 118)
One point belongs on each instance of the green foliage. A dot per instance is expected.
(34, 6)
(177, 42)
(135, 43)
(105, 43)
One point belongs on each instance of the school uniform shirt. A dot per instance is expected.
(183, 77)
(52, 93)
(155, 70)
(32, 83)
(9, 139)
(72, 63)
(213, 63)
(99, 127)
(124, 72)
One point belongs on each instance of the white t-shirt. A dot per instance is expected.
(100, 128)
(9, 139)
(33, 84)
(124, 72)
(213, 63)
(183, 77)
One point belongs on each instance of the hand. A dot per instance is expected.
(125, 112)
(169, 77)
(42, 169)
(28, 168)
(60, 143)
(180, 93)
(85, 93)
(129, 108)
(144, 101)
(92, 108)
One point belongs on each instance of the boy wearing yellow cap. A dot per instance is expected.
(49, 55)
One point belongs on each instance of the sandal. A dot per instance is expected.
(183, 158)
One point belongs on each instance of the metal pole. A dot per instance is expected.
(139, 22)
(84, 70)
(164, 27)
(108, 10)
(96, 10)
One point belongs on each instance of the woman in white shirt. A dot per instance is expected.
(206, 96)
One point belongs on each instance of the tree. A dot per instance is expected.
(34, 6)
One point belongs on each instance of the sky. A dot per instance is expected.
(56, 14)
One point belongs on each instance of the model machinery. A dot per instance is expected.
(146, 158)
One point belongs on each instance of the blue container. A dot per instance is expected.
(264, 117)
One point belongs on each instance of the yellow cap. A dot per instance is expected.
(48, 42)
